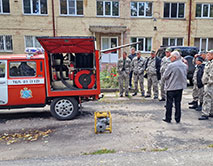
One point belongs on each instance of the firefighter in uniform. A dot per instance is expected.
(207, 109)
(124, 64)
(152, 67)
(164, 63)
(195, 91)
(131, 56)
(138, 66)
(198, 85)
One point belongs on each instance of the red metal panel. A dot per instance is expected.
(67, 44)
(36, 91)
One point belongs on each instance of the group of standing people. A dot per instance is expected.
(135, 66)
(171, 72)
(203, 85)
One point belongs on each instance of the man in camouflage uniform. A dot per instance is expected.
(138, 66)
(195, 91)
(164, 63)
(207, 110)
(198, 85)
(131, 57)
(123, 72)
(152, 67)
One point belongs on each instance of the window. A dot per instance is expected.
(204, 44)
(38, 7)
(204, 10)
(4, 6)
(174, 10)
(173, 42)
(108, 8)
(71, 7)
(109, 42)
(31, 41)
(2, 69)
(24, 68)
(6, 43)
(144, 46)
(141, 9)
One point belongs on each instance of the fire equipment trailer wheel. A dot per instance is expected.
(64, 108)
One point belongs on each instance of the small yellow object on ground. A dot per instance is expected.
(103, 122)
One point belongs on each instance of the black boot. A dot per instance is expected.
(199, 108)
(194, 106)
(192, 103)
(203, 117)
(134, 94)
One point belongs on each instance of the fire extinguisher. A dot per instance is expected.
(54, 74)
(71, 74)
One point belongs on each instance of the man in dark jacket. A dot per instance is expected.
(200, 69)
(175, 78)
(131, 56)
(152, 67)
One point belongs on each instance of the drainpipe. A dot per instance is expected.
(53, 17)
(190, 20)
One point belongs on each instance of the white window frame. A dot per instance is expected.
(170, 10)
(31, 9)
(207, 43)
(2, 7)
(169, 40)
(111, 53)
(144, 44)
(34, 41)
(4, 40)
(104, 1)
(144, 10)
(68, 9)
(209, 7)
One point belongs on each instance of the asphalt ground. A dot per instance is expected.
(139, 136)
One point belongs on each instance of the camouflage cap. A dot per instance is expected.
(199, 58)
(168, 49)
(153, 52)
(138, 52)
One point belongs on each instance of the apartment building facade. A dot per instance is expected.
(112, 22)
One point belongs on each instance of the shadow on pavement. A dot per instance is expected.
(24, 115)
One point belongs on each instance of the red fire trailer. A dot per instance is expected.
(66, 75)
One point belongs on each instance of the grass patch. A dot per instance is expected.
(210, 146)
(159, 150)
(102, 151)
(143, 149)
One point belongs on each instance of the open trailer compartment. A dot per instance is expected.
(72, 71)
(72, 66)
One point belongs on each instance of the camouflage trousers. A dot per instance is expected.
(123, 78)
(208, 100)
(201, 94)
(195, 92)
(140, 78)
(163, 93)
(152, 81)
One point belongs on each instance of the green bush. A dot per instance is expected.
(109, 77)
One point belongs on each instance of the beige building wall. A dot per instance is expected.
(19, 25)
